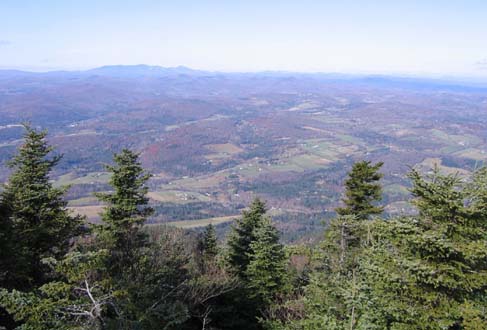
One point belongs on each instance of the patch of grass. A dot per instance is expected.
(201, 182)
(429, 163)
(326, 149)
(463, 140)
(227, 148)
(200, 223)
(92, 212)
(305, 106)
(451, 149)
(178, 196)
(90, 178)
(83, 201)
(472, 153)
(349, 139)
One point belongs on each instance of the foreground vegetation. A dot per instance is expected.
(427, 271)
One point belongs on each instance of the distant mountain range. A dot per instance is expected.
(214, 140)
(142, 70)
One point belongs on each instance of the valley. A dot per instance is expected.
(213, 141)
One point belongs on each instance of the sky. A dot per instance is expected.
(428, 37)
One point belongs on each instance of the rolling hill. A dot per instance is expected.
(214, 140)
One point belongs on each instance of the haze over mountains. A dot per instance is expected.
(214, 140)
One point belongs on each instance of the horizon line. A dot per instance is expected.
(398, 74)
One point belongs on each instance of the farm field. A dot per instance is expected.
(214, 141)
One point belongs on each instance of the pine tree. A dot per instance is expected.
(126, 210)
(209, 242)
(36, 212)
(6, 248)
(8, 265)
(240, 308)
(243, 235)
(207, 249)
(362, 191)
(78, 299)
(138, 275)
(336, 295)
(267, 269)
(430, 271)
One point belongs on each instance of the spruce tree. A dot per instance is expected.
(126, 210)
(242, 306)
(8, 263)
(267, 270)
(336, 295)
(362, 191)
(243, 235)
(35, 212)
(209, 242)
(338, 285)
(6, 248)
(121, 234)
(430, 271)
(78, 299)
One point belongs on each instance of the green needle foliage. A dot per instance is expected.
(207, 249)
(77, 300)
(210, 242)
(430, 271)
(362, 191)
(34, 221)
(246, 257)
(336, 296)
(7, 260)
(126, 210)
(426, 271)
(267, 270)
(243, 234)
(34, 213)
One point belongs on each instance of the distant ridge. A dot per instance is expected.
(143, 70)
(373, 80)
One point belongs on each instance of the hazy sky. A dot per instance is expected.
(391, 36)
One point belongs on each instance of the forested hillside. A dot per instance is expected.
(423, 270)
(216, 140)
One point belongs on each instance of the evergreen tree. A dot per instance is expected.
(243, 235)
(156, 290)
(267, 269)
(148, 277)
(430, 271)
(335, 297)
(209, 242)
(240, 308)
(85, 295)
(362, 191)
(35, 213)
(6, 248)
(126, 211)
(78, 299)
(8, 265)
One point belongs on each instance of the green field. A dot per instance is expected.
(465, 140)
(83, 201)
(90, 178)
(178, 196)
(200, 223)
(472, 153)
